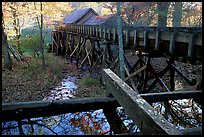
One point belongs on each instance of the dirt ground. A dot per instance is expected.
(25, 84)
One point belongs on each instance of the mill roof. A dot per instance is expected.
(103, 20)
(76, 15)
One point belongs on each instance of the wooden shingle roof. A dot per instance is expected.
(76, 15)
(103, 20)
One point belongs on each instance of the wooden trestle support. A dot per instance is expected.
(95, 45)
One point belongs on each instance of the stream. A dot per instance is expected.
(79, 123)
(92, 122)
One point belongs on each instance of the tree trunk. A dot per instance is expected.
(16, 26)
(177, 14)
(120, 38)
(41, 37)
(7, 57)
(162, 9)
(40, 25)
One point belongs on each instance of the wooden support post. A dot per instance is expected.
(135, 38)
(127, 37)
(114, 34)
(100, 32)
(110, 53)
(146, 40)
(93, 52)
(109, 34)
(58, 42)
(72, 44)
(191, 46)
(114, 120)
(157, 40)
(172, 73)
(172, 43)
(146, 74)
(97, 32)
(67, 46)
(143, 115)
(104, 33)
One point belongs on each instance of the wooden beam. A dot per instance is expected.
(192, 131)
(175, 95)
(136, 72)
(142, 114)
(132, 82)
(23, 110)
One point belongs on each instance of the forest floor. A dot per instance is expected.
(33, 83)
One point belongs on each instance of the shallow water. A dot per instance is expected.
(79, 123)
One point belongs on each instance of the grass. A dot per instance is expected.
(87, 82)
(90, 87)
(33, 82)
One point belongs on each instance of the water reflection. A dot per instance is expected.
(79, 123)
(183, 113)
(65, 90)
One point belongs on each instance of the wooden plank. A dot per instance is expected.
(142, 114)
(22, 110)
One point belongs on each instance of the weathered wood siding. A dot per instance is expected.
(86, 17)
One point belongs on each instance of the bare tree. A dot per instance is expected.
(40, 24)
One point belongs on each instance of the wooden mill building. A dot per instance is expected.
(80, 16)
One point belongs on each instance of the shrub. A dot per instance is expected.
(31, 44)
